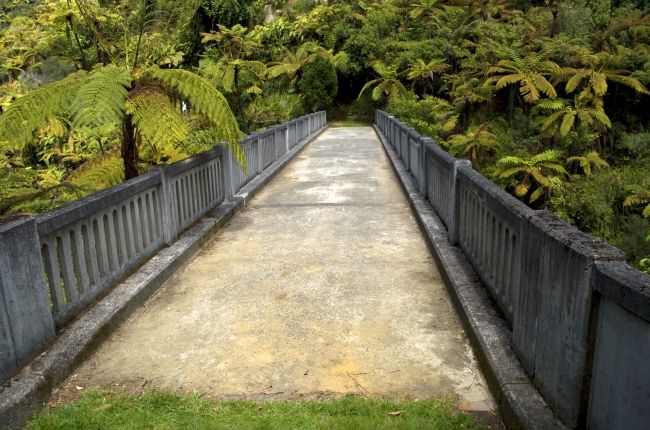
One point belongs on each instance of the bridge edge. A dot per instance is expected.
(519, 403)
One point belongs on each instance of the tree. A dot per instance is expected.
(388, 82)
(429, 9)
(592, 79)
(426, 71)
(564, 115)
(528, 72)
(639, 196)
(226, 61)
(591, 160)
(476, 139)
(536, 173)
(292, 63)
(226, 12)
(318, 85)
(138, 102)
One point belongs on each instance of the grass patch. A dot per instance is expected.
(349, 123)
(161, 410)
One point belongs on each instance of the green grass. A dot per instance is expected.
(160, 410)
(349, 123)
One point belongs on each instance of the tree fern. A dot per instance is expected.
(206, 100)
(537, 169)
(30, 112)
(592, 158)
(100, 100)
(639, 196)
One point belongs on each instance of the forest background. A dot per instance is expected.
(547, 98)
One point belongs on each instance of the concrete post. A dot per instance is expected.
(168, 209)
(26, 322)
(228, 174)
(391, 131)
(286, 136)
(424, 141)
(260, 162)
(454, 206)
(408, 131)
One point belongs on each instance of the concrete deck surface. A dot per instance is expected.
(321, 285)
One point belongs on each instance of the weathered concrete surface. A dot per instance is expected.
(26, 393)
(520, 404)
(321, 285)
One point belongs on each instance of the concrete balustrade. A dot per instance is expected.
(579, 315)
(54, 265)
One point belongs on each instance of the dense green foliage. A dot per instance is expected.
(545, 97)
(159, 410)
(318, 85)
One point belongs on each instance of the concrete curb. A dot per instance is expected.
(520, 404)
(25, 393)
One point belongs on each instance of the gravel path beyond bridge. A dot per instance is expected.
(321, 285)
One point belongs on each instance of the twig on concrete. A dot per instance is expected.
(358, 384)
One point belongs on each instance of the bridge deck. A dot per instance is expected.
(322, 284)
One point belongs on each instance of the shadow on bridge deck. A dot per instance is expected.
(321, 285)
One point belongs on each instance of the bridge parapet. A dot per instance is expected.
(54, 265)
(579, 315)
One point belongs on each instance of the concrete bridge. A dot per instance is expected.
(360, 260)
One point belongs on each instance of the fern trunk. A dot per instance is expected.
(129, 148)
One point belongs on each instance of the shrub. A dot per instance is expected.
(318, 85)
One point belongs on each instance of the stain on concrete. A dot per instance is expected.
(321, 285)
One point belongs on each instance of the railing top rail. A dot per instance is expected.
(413, 133)
(578, 241)
(515, 205)
(51, 221)
(624, 285)
(432, 147)
(266, 132)
(184, 165)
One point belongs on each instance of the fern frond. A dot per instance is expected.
(602, 117)
(574, 81)
(629, 81)
(31, 111)
(99, 173)
(377, 92)
(450, 124)
(554, 167)
(567, 123)
(539, 177)
(549, 104)
(544, 86)
(366, 86)
(155, 119)
(507, 172)
(55, 126)
(598, 84)
(546, 156)
(509, 79)
(100, 100)
(539, 192)
(283, 69)
(510, 161)
(254, 89)
(521, 189)
(206, 100)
